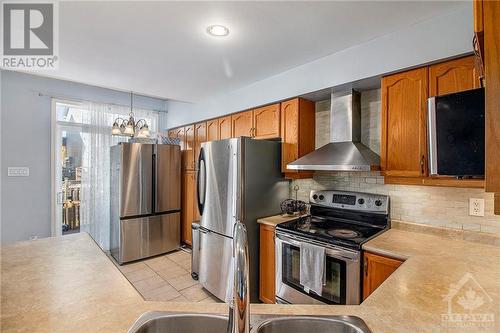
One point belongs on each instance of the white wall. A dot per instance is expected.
(437, 38)
(26, 141)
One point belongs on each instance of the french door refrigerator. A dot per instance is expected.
(145, 200)
(238, 179)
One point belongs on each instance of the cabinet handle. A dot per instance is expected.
(365, 267)
(254, 132)
(422, 161)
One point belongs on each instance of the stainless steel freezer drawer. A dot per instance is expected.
(216, 261)
(147, 236)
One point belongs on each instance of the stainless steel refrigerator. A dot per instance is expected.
(238, 179)
(145, 200)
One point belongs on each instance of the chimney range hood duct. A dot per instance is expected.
(345, 152)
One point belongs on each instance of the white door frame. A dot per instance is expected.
(55, 151)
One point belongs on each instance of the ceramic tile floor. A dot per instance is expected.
(166, 278)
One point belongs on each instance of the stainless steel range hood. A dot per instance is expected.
(345, 152)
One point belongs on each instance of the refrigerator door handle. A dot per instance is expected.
(202, 174)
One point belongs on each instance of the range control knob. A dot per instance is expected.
(361, 201)
(378, 203)
(321, 197)
(315, 196)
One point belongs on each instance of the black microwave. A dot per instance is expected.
(456, 134)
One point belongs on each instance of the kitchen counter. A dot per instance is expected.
(277, 219)
(68, 284)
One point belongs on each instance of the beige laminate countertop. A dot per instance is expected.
(277, 219)
(68, 284)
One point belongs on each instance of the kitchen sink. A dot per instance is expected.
(167, 322)
(161, 322)
(332, 324)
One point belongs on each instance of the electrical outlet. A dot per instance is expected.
(18, 171)
(476, 207)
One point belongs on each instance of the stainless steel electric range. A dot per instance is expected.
(340, 222)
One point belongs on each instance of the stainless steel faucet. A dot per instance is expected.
(239, 308)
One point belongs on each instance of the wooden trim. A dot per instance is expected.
(403, 180)
(435, 181)
(299, 175)
(478, 15)
(497, 204)
(453, 182)
(492, 89)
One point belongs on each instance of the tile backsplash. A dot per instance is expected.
(434, 206)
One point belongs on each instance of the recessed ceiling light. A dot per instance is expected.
(218, 30)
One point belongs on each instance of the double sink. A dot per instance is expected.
(165, 322)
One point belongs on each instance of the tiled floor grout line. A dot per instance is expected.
(179, 263)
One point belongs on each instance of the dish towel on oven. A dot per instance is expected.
(312, 267)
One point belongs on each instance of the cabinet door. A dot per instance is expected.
(267, 122)
(188, 204)
(242, 124)
(188, 153)
(453, 76)
(267, 265)
(492, 106)
(180, 133)
(376, 270)
(225, 131)
(200, 136)
(289, 133)
(478, 15)
(404, 110)
(298, 126)
(213, 130)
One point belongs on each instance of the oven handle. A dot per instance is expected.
(335, 252)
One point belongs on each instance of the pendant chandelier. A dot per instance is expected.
(130, 127)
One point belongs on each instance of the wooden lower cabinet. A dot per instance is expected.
(376, 269)
(267, 268)
(188, 205)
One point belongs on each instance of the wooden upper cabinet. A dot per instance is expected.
(267, 122)
(225, 128)
(453, 76)
(492, 98)
(242, 124)
(297, 133)
(404, 110)
(180, 133)
(188, 160)
(213, 130)
(478, 15)
(376, 270)
(200, 136)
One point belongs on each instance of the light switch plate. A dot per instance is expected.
(476, 207)
(18, 171)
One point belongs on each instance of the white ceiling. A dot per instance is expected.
(161, 48)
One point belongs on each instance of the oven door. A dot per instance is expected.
(342, 283)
